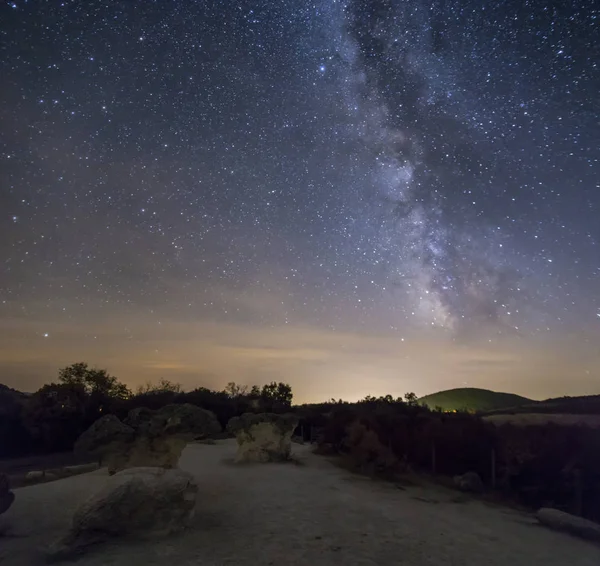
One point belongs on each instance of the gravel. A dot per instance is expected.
(305, 513)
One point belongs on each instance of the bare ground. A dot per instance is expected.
(310, 514)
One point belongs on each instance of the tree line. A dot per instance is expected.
(52, 418)
(536, 464)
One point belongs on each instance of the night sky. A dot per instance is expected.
(356, 197)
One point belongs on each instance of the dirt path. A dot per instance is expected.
(312, 514)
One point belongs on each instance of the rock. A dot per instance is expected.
(140, 502)
(264, 437)
(139, 417)
(6, 495)
(147, 438)
(81, 468)
(183, 420)
(188, 421)
(470, 482)
(34, 475)
(565, 522)
(104, 436)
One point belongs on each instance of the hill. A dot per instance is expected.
(582, 405)
(10, 400)
(473, 399)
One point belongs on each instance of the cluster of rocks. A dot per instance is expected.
(147, 438)
(6, 495)
(146, 494)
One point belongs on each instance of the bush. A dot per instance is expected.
(547, 465)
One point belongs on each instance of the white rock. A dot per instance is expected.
(263, 437)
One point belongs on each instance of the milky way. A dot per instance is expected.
(371, 167)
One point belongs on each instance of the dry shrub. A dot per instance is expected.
(548, 465)
(366, 450)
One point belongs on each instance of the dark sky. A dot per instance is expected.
(358, 197)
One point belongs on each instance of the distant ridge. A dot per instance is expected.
(473, 399)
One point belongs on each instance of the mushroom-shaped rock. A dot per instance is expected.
(182, 420)
(264, 437)
(141, 502)
(148, 438)
(188, 421)
(6, 495)
(561, 521)
(107, 436)
(139, 417)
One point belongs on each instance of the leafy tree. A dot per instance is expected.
(234, 390)
(411, 399)
(94, 381)
(163, 386)
(277, 395)
(15, 439)
(56, 415)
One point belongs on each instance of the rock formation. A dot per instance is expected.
(561, 521)
(470, 482)
(140, 502)
(147, 438)
(264, 437)
(6, 495)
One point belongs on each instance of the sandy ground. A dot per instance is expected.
(310, 514)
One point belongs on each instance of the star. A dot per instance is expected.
(253, 189)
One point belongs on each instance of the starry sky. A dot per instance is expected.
(353, 196)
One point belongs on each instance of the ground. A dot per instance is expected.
(312, 513)
(17, 468)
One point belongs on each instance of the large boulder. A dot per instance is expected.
(6, 495)
(147, 438)
(470, 482)
(187, 421)
(139, 502)
(264, 437)
(183, 420)
(561, 521)
(106, 435)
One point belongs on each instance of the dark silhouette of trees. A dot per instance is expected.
(537, 464)
(163, 386)
(277, 396)
(15, 439)
(95, 382)
(235, 390)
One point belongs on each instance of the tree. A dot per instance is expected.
(235, 390)
(97, 382)
(411, 399)
(56, 415)
(163, 386)
(277, 395)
